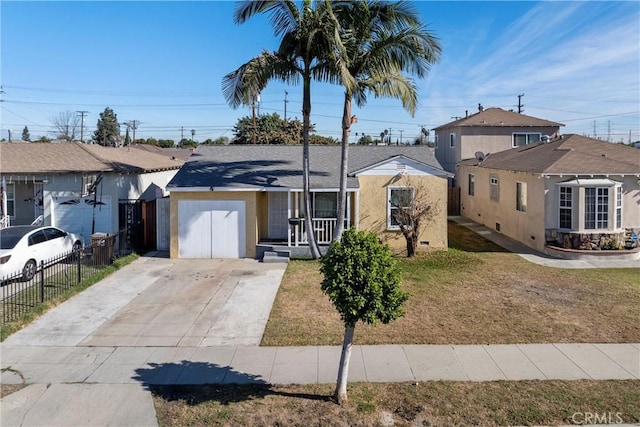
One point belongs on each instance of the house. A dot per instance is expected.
(572, 192)
(489, 131)
(52, 184)
(235, 201)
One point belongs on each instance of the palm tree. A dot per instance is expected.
(308, 45)
(381, 41)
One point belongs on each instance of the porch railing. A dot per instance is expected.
(322, 228)
(5, 221)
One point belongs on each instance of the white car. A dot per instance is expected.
(23, 247)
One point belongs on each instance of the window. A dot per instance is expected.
(494, 189)
(400, 199)
(37, 237)
(472, 184)
(435, 143)
(452, 140)
(11, 200)
(325, 205)
(596, 208)
(618, 207)
(566, 208)
(521, 196)
(521, 139)
(53, 233)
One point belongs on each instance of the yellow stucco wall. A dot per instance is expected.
(251, 223)
(374, 202)
(527, 227)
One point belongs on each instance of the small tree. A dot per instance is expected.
(411, 209)
(66, 125)
(362, 281)
(25, 134)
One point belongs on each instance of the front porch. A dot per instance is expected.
(282, 223)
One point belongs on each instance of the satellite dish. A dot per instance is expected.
(479, 156)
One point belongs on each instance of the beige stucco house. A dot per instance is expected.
(489, 130)
(573, 193)
(238, 201)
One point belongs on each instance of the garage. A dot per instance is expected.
(211, 229)
(77, 215)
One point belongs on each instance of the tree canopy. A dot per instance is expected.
(25, 134)
(108, 129)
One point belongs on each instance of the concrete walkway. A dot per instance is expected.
(536, 257)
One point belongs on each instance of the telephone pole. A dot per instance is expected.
(285, 105)
(82, 114)
(401, 136)
(520, 105)
(133, 124)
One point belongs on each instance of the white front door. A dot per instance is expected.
(278, 215)
(211, 229)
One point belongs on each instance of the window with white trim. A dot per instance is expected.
(566, 208)
(472, 184)
(452, 140)
(596, 208)
(522, 138)
(494, 189)
(619, 207)
(399, 198)
(521, 196)
(11, 199)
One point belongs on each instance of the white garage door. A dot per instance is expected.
(76, 215)
(211, 228)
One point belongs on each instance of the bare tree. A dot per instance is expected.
(411, 208)
(66, 125)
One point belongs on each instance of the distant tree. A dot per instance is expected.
(221, 140)
(166, 143)
(362, 281)
(269, 129)
(127, 138)
(43, 139)
(25, 134)
(66, 125)
(108, 129)
(411, 209)
(315, 139)
(365, 140)
(186, 143)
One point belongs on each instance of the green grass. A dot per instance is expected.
(53, 285)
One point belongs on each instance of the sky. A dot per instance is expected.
(162, 64)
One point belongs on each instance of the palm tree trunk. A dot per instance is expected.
(343, 370)
(344, 161)
(306, 112)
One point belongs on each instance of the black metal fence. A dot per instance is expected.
(58, 275)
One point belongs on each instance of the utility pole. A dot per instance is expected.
(595, 135)
(285, 105)
(389, 136)
(9, 131)
(82, 114)
(520, 105)
(181, 134)
(133, 124)
(608, 130)
(401, 136)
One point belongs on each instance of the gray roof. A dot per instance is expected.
(497, 117)
(280, 166)
(569, 154)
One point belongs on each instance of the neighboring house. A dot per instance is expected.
(488, 131)
(50, 183)
(235, 201)
(573, 192)
(176, 153)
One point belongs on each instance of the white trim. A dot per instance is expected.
(589, 182)
(416, 164)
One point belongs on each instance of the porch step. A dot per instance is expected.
(276, 256)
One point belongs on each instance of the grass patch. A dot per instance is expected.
(473, 293)
(432, 403)
(97, 274)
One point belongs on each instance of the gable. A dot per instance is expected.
(400, 165)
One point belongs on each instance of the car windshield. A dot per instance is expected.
(9, 237)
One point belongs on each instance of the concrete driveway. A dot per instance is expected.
(157, 301)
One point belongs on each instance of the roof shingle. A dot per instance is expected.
(497, 117)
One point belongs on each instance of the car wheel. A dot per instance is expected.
(29, 270)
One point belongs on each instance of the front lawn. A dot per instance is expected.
(473, 293)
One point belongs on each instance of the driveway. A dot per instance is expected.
(157, 301)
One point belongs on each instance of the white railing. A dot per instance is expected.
(38, 221)
(322, 228)
(5, 221)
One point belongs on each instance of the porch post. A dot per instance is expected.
(357, 210)
(348, 218)
(288, 216)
